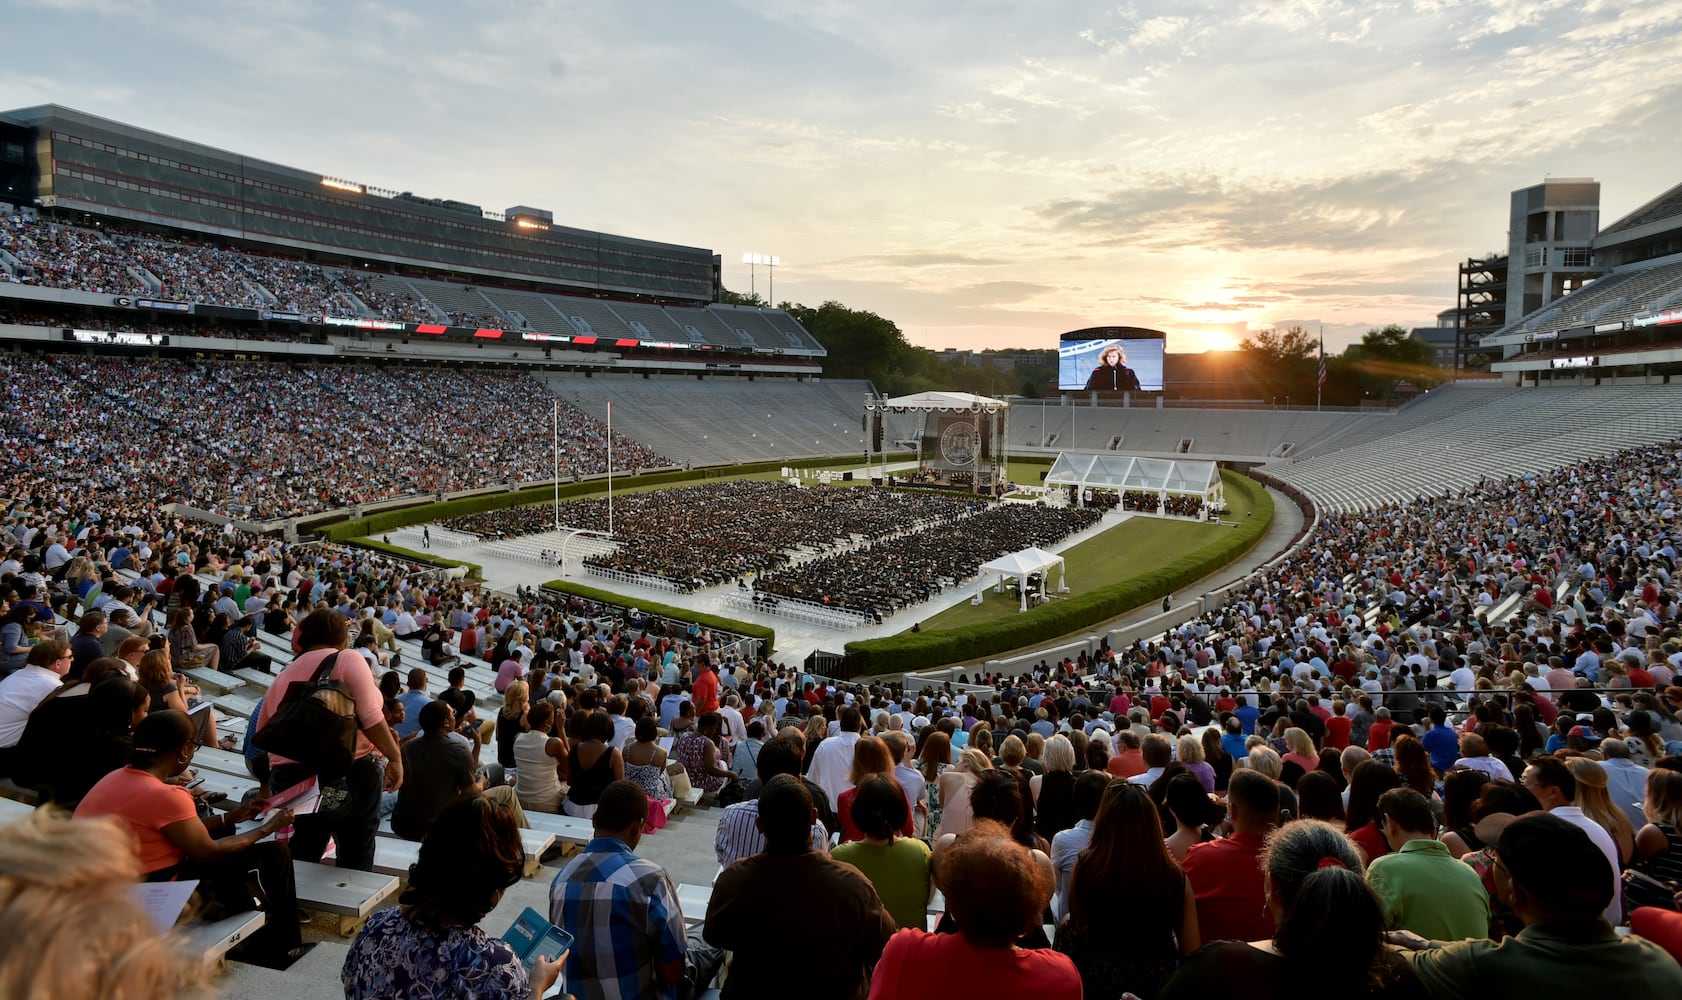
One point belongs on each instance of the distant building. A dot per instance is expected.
(1441, 338)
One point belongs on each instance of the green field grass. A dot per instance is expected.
(1140, 545)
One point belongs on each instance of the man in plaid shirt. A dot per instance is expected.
(622, 910)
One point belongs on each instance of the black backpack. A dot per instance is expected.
(315, 724)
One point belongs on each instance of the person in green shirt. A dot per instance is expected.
(1422, 887)
(897, 866)
(1558, 883)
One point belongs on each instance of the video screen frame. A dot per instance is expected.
(1081, 358)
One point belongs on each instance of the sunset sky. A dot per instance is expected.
(986, 174)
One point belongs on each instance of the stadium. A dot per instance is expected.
(516, 452)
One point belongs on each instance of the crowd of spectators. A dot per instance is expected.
(115, 260)
(265, 441)
(1361, 772)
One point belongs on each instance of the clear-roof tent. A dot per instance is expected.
(1198, 477)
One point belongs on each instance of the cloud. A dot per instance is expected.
(1169, 163)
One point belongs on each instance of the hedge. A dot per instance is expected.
(767, 635)
(474, 570)
(425, 513)
(922, 650)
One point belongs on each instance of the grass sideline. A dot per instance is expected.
(936, 647)
(1112, 557)
(752, 631)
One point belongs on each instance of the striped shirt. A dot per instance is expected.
(623, 913)
(738, 837)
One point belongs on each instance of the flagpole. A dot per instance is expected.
(610, 468)
(557, 457)
(1320, 383)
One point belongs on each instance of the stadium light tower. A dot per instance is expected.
(753, 261)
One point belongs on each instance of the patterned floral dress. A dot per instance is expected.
(396, 957)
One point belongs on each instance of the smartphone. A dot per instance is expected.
(554, 943)
(196, 782)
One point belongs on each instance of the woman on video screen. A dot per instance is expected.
(1112, 373)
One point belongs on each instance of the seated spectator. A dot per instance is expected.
(80, 733)
(1115, 952)
(1559, 884)
(1371, 780)
(430, 944)
(1318, 798)
(1658, 845)
(645, 766)
(510, 722)
(1226, 874)
(1555, 787)
(996, 893)
(1474, 753)
(1596, 803)
(1067, 846)
(22, 690)
(439, 771)
(870, 759)
(592, 765)
(896, 863)
(839, 909)
(954, 789)
(1193, 813)
(621, 909)
(1129, 759)
(1420, 885)
(66, 880)
(698, 750)
(1158, 753)
(184, 645)
(540, 758)
(744, 763)
(174, 692)
(1328, 935)
(174, 842)
(738, 834)
(1054, 791)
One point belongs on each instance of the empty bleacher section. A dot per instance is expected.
(726, 420)
(1618, 296)
(1253, 435)
(1463, 434)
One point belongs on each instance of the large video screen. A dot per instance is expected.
(1130, 361)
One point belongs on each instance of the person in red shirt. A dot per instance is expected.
(995, 891)
(1338, 726)
(1120, 704)
(1225, 875)
(1159, 704)
(1378, 734)
(704, 692)
(1129, 759)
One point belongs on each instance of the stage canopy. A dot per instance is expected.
(1124, 472)
(1022, 564)
(946, 402)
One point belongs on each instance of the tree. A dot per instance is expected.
(1282, 365)
(1391, 354)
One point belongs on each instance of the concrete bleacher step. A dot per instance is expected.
(348, 894)
(393, 855)
(213, 680)
(212, 941)
(254, 677)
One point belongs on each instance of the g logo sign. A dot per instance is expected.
(959, 445)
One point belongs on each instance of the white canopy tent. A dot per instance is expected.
(1022, 565)
(1161, 476)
